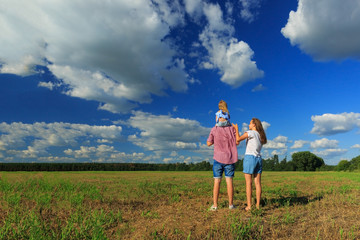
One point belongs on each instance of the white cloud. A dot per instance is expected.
(96, 48)
(98, 51)
(163, 133)
(281, 139)
(226, 53)
(299, 144)
(277, 143)
(279, 152)
(104, 153)
(232, 58)
(265, 125)
(330, 124)
(194, 8)
(330, 153)
(356, 146)
(271, 144)
(49, 85)
(325, 29)
(33, 140)
(56, 159)
(324, 143)
(245, 126)
(249, 9)
(258, 88)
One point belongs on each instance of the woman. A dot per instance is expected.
(255, 138)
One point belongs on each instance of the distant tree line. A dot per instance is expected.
(301, 161)
(345, 165)
(202, 166)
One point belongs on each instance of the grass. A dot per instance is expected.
(174, 205)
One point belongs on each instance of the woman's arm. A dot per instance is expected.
(238, 137)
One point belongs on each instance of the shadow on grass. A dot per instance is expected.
(289, 201)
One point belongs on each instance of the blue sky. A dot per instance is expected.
(139, 81)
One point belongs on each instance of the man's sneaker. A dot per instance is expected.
(212, 208)
(232, 207)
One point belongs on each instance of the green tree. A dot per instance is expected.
(355, 163)
(343, 165)
(306, 161)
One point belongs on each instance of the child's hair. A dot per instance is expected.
(223, 106)
(260, 130)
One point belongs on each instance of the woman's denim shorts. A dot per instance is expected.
(219, 168)
(252, 164)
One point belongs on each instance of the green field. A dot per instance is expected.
(174, 205)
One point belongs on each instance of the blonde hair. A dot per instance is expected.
(260, 130)
(223, 106)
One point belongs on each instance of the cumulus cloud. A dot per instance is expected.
(104, 153)
(271, 144)
(258, 88)
(232, 57)
(330, 124)
(265, 125)
(330, 153)
(325, 29)
(277, 143)
(299, 144)
(97, 49)
(279, 152)
(324, 143)
(194, 8)
(356, 146)
(281, 139)
(164, 133)
(245, 126)
(118, 53)
(249, 9)
(34, 140)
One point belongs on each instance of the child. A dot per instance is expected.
(256, 137)
(225, 157)
(222, 116)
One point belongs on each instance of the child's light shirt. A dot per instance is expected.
(224, 140)
(253, 143)
(221, 114)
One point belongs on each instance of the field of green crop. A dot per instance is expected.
(174, 205)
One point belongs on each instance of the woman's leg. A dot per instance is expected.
(248, 181)
(257, 180)
(216, 191)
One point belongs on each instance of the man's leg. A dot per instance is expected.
(230, 189)
(217, 182)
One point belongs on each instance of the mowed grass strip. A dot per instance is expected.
(174, 205)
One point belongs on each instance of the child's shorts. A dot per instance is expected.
(223, 123)
(252, 164)
(219, 168)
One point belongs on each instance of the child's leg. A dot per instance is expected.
(248, 180)
(217, 182)
(230, 189)
(257, 180)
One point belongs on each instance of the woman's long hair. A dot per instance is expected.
(223, 106)
(260, 130)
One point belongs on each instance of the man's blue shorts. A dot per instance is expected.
(252, 164)
(219, 168)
